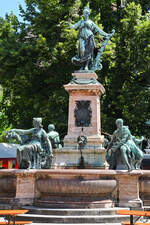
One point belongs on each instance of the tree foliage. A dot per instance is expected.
(35, 62)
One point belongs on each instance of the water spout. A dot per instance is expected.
(81, 140)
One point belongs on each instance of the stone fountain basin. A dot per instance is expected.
(75, 186)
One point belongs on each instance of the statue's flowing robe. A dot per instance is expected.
(123, 137)
(86, 46)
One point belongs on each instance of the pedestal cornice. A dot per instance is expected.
(85, 75)
(85, 89)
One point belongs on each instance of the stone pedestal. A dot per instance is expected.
(25, 187)
(128, 185)
(71, 158)
(85, 88)
(84, 115)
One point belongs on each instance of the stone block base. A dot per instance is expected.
(75, 187)
(71, 157)
(92, 140)
(74, 202)
(135, 203)
(15, 202)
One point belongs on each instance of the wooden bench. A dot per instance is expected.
(10, 216)
(136, 223)
(16, 222)
(132, 213)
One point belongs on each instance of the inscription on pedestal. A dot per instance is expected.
(83, 113)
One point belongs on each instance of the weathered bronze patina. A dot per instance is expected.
(34, 152)
(125, 149)
(85, 57)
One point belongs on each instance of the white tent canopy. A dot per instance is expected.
(8, 150)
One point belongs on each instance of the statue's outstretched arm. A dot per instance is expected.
(21, 131)
(103, 33)
(74, 26)
(71, 25)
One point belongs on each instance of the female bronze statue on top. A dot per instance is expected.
(85, 57)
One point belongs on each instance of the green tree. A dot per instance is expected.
(36, 57)
(126, 93)
(35, 62)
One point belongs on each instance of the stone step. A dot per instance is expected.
(72, 219)
(70, 212)
(74, 202)
(74, 224)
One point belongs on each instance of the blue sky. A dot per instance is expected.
(6, 6)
